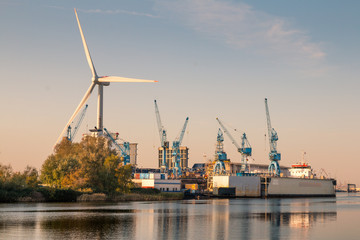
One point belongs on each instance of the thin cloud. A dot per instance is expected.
(55, 7)
(118, 11)
(241, 26)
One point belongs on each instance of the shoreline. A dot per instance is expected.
(60, 195)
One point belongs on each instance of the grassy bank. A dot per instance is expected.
(40, 194)
(136, 194)
(44, 194)
(148, 197)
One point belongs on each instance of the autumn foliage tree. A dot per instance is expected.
(11, 180)
(91, 164)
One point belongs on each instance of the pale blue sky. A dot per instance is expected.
(211, 58)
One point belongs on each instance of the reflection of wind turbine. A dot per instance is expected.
(96, 80)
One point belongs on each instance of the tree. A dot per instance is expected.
(109, 172)
(5, 174)
(31, 176)
(11, 180)
(123, 175)
(93, 163)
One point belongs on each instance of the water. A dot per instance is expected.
(304, 218)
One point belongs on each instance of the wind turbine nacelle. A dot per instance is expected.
(104, 83)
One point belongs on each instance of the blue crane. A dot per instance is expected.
(245, 149)
(273, 138)
(163, 141)
(220, 155)
(125, 150)
(176, 150)
(71, 134)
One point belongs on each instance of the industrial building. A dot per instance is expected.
(184, 157)
(157, 180)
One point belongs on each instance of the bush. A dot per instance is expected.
(12, 195)
(59, 195)
(145, 190)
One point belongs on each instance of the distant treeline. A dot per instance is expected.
(91, 166)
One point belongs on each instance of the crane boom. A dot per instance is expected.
(125, 151)
(272, 134)
(181, 136)
(176, 149)
(273, 138)
(71, 135)
(229, 135)
(245, 149)
(161, 129)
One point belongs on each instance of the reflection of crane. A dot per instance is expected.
(245, 149)
(125, 150)
(273, 137)
(162, 133)
(220, 157)
(71, 135)
(176, 150)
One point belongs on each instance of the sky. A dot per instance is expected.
(211, 58)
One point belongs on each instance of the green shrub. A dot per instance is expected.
(59, 195)
(145, 190)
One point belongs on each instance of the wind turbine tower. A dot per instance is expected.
(100, 81)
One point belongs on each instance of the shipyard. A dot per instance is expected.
(157, 119)
(222, 178)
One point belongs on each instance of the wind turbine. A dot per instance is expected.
(100, 81)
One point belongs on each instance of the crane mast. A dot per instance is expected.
(71, 134)
(274, 156)
(245, 149)
(176, 150)
(220, 155)
(163, 140)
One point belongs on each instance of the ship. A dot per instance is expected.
(299, 181)
(298, 187)
(301, 169)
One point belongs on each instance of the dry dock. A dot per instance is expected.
(260, 186)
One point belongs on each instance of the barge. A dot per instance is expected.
(270, 186)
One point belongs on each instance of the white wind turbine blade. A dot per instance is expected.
(87, 53)
(83, 101)
(121, 79)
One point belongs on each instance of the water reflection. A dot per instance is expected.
(206, 219)
(172, 224)
(98, 227)
(296, 220)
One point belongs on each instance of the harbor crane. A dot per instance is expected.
(163, 141)
(220, 155)
(176, 150)
(125, 150)
(245, 149)
(165, 145)
(274, 156)
(71, 134)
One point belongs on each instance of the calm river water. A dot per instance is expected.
(303, 218)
